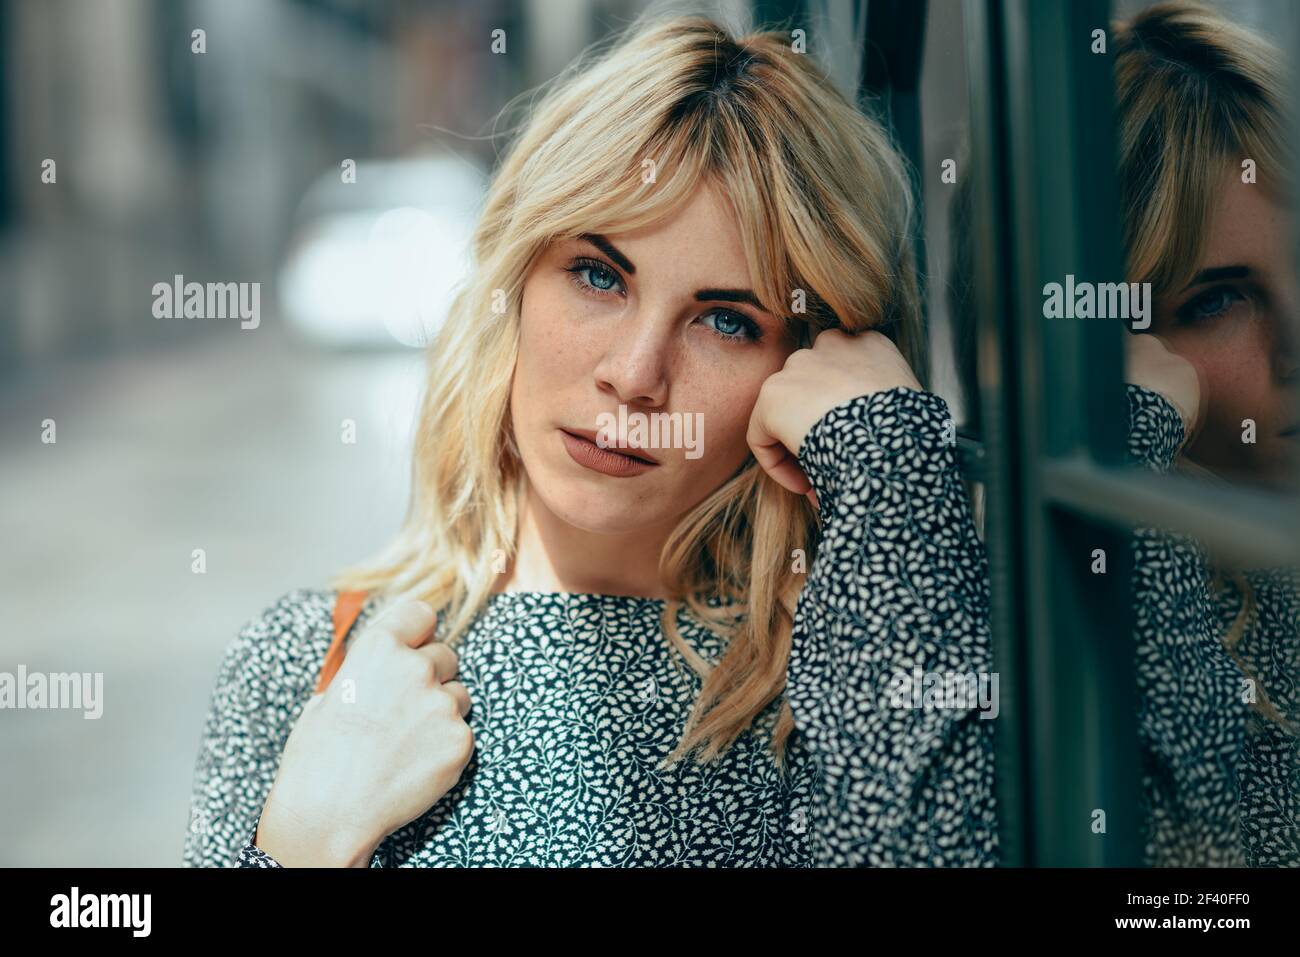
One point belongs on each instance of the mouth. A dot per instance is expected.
(620, 462)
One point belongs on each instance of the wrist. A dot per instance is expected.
(295, 839)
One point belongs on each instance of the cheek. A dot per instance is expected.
(1236, 371)
(1231, 357)
(551, 349)
(727, 397)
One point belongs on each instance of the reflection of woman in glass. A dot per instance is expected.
(674, 223)
(1207, 220)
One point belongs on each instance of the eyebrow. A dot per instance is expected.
(729, 295)
(703, 295)
(1218, 272)
(610, 250)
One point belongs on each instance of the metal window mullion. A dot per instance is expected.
(991, 287)
(1249, 526)
(1082, 735)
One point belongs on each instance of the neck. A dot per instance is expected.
(555, 556)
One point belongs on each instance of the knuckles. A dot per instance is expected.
(461, 740)
(442, 704)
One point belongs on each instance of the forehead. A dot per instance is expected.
(698, 243)
(1247, 225)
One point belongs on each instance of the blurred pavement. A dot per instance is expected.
(231, 444)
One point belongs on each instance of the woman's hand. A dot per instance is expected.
(837, 368)
(1150, 364)
(377, 749)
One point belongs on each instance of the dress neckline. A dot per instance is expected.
(573, 596)
(511, 600)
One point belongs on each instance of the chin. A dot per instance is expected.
(588, 500)
(608, 514)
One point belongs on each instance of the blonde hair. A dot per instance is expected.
(1196, 95)
(824, 205)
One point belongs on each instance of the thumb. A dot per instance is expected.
(409, 621)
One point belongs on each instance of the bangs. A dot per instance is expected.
(647, 191)
(1197, 95)
(699, 152)
(1181, 203)
(821, 201)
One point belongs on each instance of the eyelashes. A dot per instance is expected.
(594, 277)
(750, 328)
(592, 267)
(1209, 305)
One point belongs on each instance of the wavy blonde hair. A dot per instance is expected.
(824, 204)
(1197, 94)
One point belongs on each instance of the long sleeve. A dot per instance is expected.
(1270, 788)
(1191, 710)
(889, 677)
(264, 680)
(250, 855)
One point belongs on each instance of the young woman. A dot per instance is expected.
(1218, 648)
(703, 653)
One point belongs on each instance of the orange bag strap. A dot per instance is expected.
(347, 606)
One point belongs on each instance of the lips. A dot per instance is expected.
(630, 451)
(585, 452)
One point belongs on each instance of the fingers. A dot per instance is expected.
(1202, 403)
(829, 336)
(1139, 346)
(787, 473)
(412, 623)
(1150, 363)
(776, 461)
(772, 456)
(458, 691)
(409, 621)
(443, 658)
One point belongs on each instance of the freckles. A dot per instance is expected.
(1239, 385)
(1242, 357)
(548, 339)
(726, 402)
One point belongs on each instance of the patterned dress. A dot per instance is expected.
(578, 697)
(1221, 782)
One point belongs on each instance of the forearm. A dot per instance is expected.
(899, 588)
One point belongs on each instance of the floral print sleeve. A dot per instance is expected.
(897, 597)
(1155, 431)
(1191, 716)
(250, 855)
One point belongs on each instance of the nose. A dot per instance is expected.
(634, 367)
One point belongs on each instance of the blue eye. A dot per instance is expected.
(733, 326)
(598, 277)
(1210, 304)
(595, 277)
